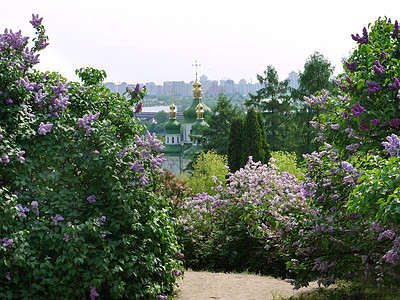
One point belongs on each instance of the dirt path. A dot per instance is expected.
(206, 286)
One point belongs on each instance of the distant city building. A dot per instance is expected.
(210, 88)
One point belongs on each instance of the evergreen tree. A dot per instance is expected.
(252, 138)
(264, 143)
(235, 144)
(220, 124)
(275, 104)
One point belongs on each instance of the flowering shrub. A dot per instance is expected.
(80, 212)
(228, 231)
(353, 181)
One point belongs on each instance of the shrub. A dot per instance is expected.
(80, 212)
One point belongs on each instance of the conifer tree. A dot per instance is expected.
(264, 143)
(252, 137)
(235, 144)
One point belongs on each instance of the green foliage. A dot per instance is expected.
(220, 123)
(235, 144)
(287, 162)
(207, 165)
(161, 117)
(91, 76)
(275, 104)
(378, 194)
(78, 213)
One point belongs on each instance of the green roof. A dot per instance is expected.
(190, 113)
(172, 127)
(198, 126)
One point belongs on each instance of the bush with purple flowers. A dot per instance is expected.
(81, 216)
(354, 180)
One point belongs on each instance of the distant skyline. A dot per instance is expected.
(156, 41)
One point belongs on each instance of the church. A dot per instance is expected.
(183, 141)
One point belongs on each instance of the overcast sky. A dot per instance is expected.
(159, 40)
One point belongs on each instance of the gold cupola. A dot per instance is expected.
(172, 112)
(197, 89)
(200, 112)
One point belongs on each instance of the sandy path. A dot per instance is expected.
(206, 285)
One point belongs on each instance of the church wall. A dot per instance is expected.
(172, 164)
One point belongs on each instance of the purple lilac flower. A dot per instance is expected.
(352, 65)
(22, 210)
(348, 167)
(396, 85)
(392, 257)
(320, 100)
(378, 68)
(137, 90)
(357, 109)
(86, 121)
(42, 44)
(392, 146)
(363, 126)
(93, 293)
(374, 122)
(102, 220)
(387, 234)
(139, 108)
(5, 159)
(30, 57)
(383, 54)
(354, 215)
(60, 88)
(8, 242)
(1, 136)
(335, 126)
(374, 87)
(91, 199)
(7, 276)
(361, 40)
(160, 297)
(175, 272)
(29, 115)
(35, 206)
(394, 122)
(44, 128)
(66, 237)
(395, 29)
(352, 147)
(57, 218)
(36, 22)
(20, 157)
(25, 84)
(8, 101)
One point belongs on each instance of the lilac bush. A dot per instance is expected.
(79, 217)
(353, 181)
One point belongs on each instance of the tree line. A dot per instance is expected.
(276, 118)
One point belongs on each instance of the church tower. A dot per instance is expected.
(190, 113)
(172, 134)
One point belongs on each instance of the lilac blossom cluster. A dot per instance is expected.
(319, 100)
(395, 86)
(395, 122)
(91, 198)
(352, 65)
(352, 87)
(57, 218)
(144, 149)
(86, 121)
(374, 87)
(7, 242)
(21, 211)
(395, 29)
(44, 128)
(59, 102)
(392, 146)
(93, 293)
(12, 41)
(363, 39)
(357, 109)
(378, 68)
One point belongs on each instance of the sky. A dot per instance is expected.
(160, 40)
